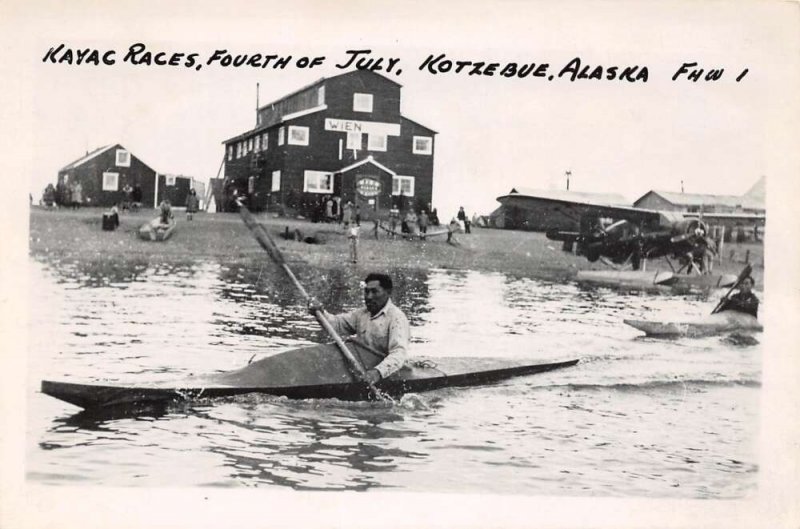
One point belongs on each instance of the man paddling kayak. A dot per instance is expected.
(380, 325)
(744, 300)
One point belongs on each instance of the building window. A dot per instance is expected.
(110, 181)
(264, 141)
(376, 142)
(249, 145)
(230, 152)
(170, 179)
(317, 182)
(321, 95)
(298, 135)
(276, 180)
(239, 150)
(281, 135)
(404, 184)
(423, 145)
(354, 140)
(362, 102)
(123, 158)
(257, 145)
(251, 185)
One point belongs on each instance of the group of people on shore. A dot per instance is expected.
(63, 195)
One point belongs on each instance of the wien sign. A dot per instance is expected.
(368, 187)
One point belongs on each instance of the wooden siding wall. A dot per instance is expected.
(90, 175)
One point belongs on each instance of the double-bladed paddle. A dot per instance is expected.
(266, 242)
(743, 274)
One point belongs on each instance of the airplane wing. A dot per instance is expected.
(558, 205)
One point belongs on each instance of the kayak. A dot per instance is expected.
(649, 279)
(154, 230)
(626, 278)
(706, 281)
(719, 323)
(313, 372)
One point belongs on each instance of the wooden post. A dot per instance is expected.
(747, 257)
(721, 243)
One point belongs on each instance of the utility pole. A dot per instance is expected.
(568, 173)
(257, 87)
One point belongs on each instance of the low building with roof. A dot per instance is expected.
(544, 209)
(340, 136)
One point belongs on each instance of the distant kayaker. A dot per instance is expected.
(380, 325)
(744, 300)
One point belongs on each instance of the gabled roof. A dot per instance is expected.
(590, 199)
(417, 123)
(87, 157)
(368, 159)
(698, 199)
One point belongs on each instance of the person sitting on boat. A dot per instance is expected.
(744, 300)
(380, 326)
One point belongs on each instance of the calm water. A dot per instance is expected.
(636, 417)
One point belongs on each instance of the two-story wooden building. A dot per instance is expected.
(341, 136)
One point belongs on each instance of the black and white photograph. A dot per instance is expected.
(358, 264)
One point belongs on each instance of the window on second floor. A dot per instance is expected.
(281, 135)
(257, 143)
(123, 158)
(264, 141)
(376, 142)
(354, 140)
(298, 135)
(422, 145)
(362, 102)
(404, 184)
(230, 152)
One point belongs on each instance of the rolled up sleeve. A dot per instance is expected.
(397, 345)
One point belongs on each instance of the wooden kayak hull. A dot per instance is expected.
(720, 323)
(627, 278)
(316, 372)
(155, 231)
(646, 279)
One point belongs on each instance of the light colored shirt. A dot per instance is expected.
(387, 332)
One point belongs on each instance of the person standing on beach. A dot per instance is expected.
(192, 204)
(381, 326)
(462, 216)
(423, 224)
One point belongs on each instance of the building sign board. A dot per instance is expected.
(368, 187)
(364, 127)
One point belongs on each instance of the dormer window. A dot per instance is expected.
(123, 158)
(362, 102)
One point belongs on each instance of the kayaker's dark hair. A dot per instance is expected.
(750, 278)
(384, 280)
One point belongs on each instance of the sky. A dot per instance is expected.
(494, 132)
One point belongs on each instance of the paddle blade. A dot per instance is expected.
(261, 235)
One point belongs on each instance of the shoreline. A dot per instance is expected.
(224, 237)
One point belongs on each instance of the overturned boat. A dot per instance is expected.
(313, 372)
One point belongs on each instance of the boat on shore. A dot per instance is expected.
(313, 372)
(719, 323)
(155, 230)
